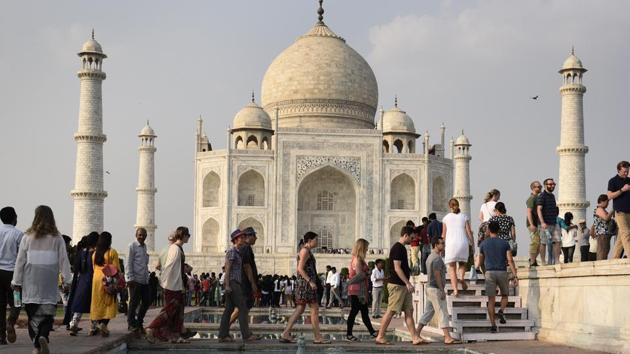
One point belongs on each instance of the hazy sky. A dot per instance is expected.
(473, 65)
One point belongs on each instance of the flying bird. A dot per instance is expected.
(108, 172)
(535, 97)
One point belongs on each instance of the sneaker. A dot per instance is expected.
(104, 330)
(43, 346)
(493, 329)
(501, 317)
(11, 337)
(74, 330)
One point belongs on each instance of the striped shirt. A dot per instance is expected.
(549, 208)
(233, 256)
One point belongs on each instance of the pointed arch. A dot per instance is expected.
(439, 199)
(252, 142)
(394, 232)
(265, 143)
(251, 189)
(211, 186)
(410, 146)
(385, 146)
(210, 236)
(238, 143)
(403, 193)
(399, 146)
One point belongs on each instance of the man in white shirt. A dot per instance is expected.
(377, 277)
(10, 239)
(334, 288)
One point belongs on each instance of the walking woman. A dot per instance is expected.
(305, 291)
(489, 202)
(507, 227)
(169, 323)
(41, 258)
(458, 238)
(103, 307)
(358, 289)
(81, 295)
(601, 221)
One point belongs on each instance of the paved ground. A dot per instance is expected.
(62, 343)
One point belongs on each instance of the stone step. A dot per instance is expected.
(467, 326)
(482, 337)
(479, 301)
(480, 313)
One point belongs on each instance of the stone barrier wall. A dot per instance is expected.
(585, 305)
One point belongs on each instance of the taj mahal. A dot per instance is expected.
(315, 153)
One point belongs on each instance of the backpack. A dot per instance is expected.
(113, 280)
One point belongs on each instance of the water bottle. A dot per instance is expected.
(17, 298)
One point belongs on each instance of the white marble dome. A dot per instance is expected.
(462, 140)
(147, 131)
(252, 116)
(321, 82)
(91, 46)
(396, 120)
(572, 62)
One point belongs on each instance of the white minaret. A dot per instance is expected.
(88, 193)
(572, 181)
(462, 158)
(145, 214)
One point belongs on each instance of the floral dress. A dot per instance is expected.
(304, 294)
(600, 225)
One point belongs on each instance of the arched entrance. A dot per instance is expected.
(394, 232)
(327, 206)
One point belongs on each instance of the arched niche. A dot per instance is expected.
(439, 199)
(251, 189)
(394, 232)
(403, 193)
(210, 236)
(211, 186)
(260, 232)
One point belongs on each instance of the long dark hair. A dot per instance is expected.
(103, 245)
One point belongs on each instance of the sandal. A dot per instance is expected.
(454, 341)
(286, 340)
(322, 341)
(383, 342)
(179, 340)
(374, 334)
(227, 339)
(351, 339)
(464, 285)
(253, 338)
(150, 337)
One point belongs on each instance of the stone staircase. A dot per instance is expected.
(469, 316)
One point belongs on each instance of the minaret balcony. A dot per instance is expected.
(580, 149)
(90, 138)
(88, 195)
(573, 88)
(96, 74)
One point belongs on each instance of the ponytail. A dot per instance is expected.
(453, 204)
(490, 195)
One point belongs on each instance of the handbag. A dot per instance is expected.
(113, 280)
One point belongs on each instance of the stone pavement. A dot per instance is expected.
(62, 343)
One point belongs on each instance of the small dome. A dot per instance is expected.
(572, 63)
(147, 131)
(252, 116)
(91, 46)
(462, 140)
(396, 120)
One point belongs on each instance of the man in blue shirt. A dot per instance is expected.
(495, 253)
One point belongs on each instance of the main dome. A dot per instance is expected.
(320, 82)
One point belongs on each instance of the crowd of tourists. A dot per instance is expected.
(39, 269)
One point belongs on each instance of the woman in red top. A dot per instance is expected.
(358, 289)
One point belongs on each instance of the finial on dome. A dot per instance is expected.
(396, 101)
(320, 12)
(253, 97)
(92, 33)
(572, 50)
(147, 122)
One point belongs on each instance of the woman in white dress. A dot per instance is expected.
(458, 238)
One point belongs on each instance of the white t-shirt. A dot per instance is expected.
(334, 281)
(376, 274)
(568, 237)
(487, 210)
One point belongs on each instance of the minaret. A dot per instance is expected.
(572, 181)
(145, 212)
(88, 193)
(462, 173)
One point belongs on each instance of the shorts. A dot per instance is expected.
(534, 241)
(551, 233)
(496, 278)
(400, 299)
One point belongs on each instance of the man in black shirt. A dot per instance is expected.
(547, 211)
(619, 192)
(250, 272)
(399, 288)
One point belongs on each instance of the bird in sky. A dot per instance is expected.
(108, 172)
(535, 97)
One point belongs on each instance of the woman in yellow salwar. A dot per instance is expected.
(103, 306)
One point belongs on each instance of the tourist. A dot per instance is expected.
(434, 229)
(81, 295)
(334, 289)
(41, 258)
(234, 291)
(10, 238)
(305, 291)
(137, 277)
(327, 286)
(249, 276)
(415, 245)
(495, 253)
(288, 293)
(435, 299)
(377, 278)
(267, 290)
(344, 282)
(358, 289)
(169, 323)
(425, 244)
(537, 246)
(619, 192)
(487, 208)
(547, 212)
(103, 306)
(277, 290)
(592, 244)
(458, 238)
(507, 228)
(583, 236)
(205, 289)
(399, 288)
(601, 227)
(569, 234)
